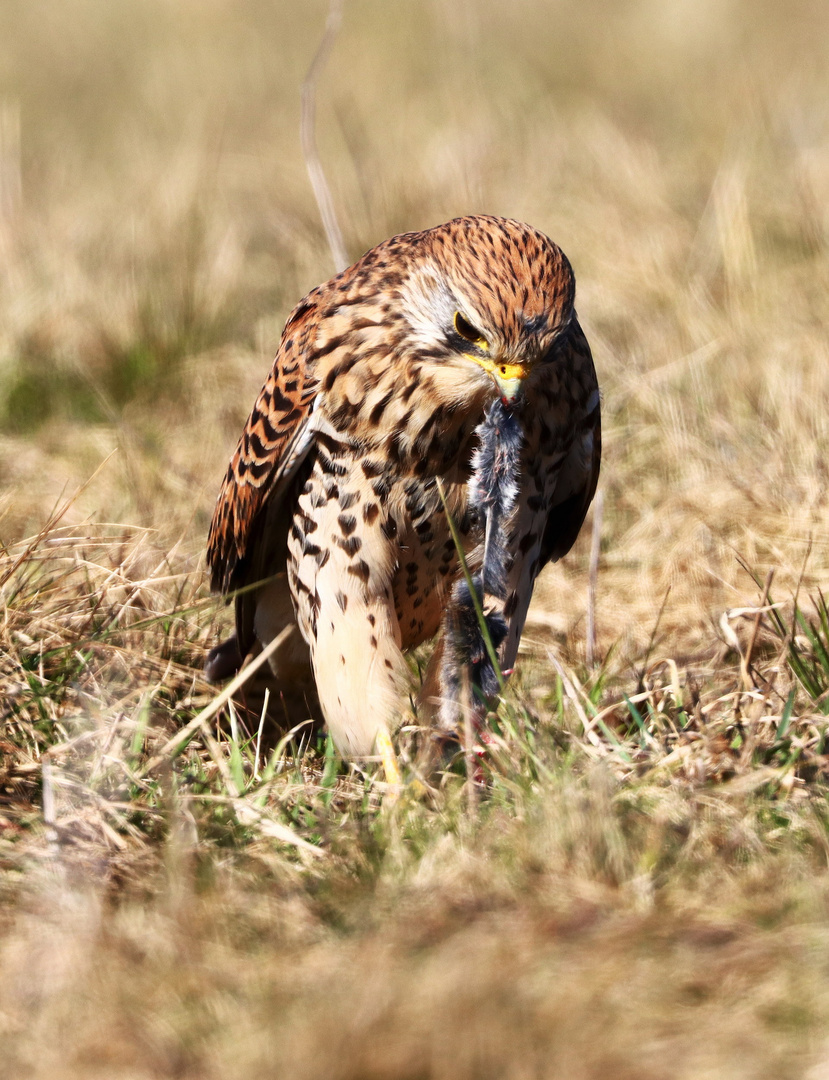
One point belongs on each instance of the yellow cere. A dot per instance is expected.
(502, 371)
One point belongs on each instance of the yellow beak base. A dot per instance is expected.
(508, 377)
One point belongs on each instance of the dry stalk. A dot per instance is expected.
(50, 524)
(49, 818)
(745, 660)
(595, 551)
(200, 719)
(573, 696)
(308, 138)
(264, 713)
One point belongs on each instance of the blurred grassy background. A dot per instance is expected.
(156, 227)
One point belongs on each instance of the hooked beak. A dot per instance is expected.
(508, 377)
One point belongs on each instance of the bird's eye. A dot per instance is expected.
(468, 332)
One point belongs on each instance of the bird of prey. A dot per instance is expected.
(442, 380)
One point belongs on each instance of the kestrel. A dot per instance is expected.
(442, 376)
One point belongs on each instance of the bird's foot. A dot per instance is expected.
(391, 769)
(223, 660)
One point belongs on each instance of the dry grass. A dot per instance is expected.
(642, 890)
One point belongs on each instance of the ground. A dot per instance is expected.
(632, 880)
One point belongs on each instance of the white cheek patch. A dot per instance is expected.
(429, 305)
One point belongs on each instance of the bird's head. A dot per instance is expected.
(486, 299)
(429, 328)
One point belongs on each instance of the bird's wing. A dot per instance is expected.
(276, 439)
(579, 474)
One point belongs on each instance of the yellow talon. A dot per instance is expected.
(389, 759)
